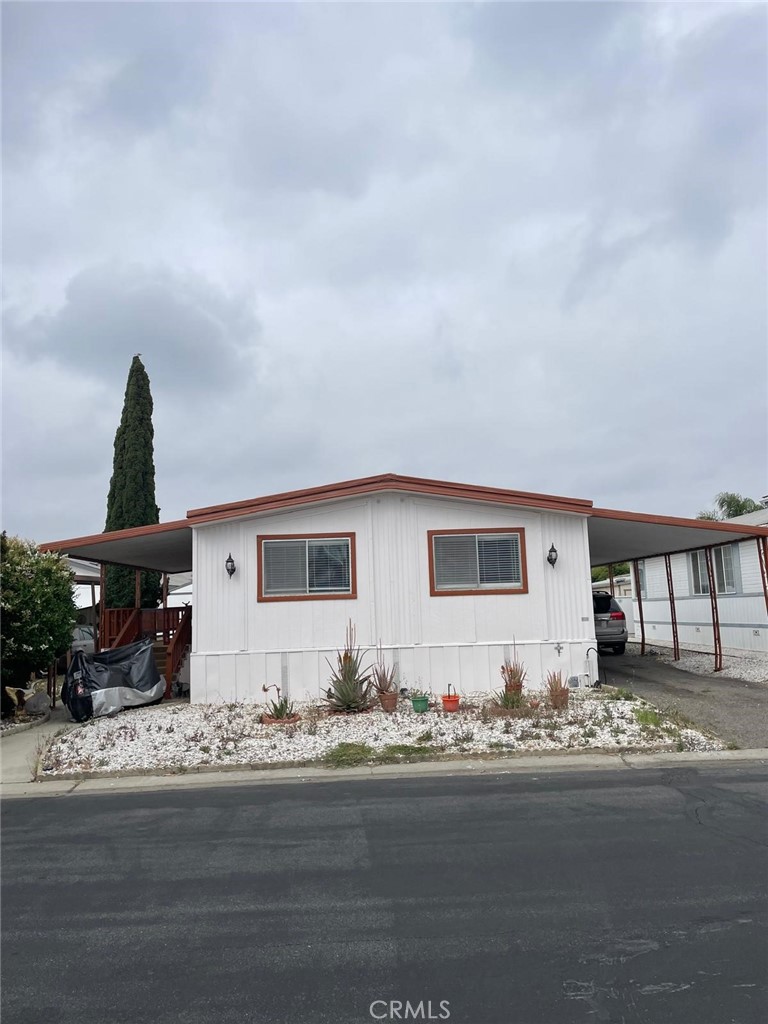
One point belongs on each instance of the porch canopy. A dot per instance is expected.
(617, 536)
(166, 547)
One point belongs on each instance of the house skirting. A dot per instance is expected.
(225, 676)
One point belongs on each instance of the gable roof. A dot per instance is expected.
(614, 535)
(389, 482)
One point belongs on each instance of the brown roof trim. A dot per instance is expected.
(96, 538)
(724, 526)
(389, 482)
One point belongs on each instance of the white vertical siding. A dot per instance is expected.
(743, 616)
(240, 644)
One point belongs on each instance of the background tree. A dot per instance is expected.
(131, 500)
(38, 609)
(728, 505)
(600, 572)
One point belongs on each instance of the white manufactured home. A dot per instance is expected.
(449, 579)
(447, 584)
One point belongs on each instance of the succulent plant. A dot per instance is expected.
(351, 688)
(383, 678)
(281, 707)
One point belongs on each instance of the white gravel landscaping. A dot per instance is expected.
(751, 667)
(183, 736)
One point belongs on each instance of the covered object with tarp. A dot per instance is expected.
(103, 684)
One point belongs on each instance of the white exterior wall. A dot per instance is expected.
(743, 616)
(239, 643)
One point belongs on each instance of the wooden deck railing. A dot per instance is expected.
(182, 639)
(113, 620)
(131, 629)
(159, 623)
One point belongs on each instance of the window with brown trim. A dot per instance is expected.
(299, 567)
(485, 561)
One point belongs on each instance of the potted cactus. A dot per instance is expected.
(450, 700)
(384, 683)
(557, 691)
(513, 673)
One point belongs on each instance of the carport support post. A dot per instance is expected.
(166, 633)
(715, 612)
(611, 582)
(639, 596)
(102, 591)
(762, 557)
(672, 610)
(137, 588)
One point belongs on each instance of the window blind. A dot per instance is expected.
(472, 561)
(306, 567)
(328, 566)
(285, 567)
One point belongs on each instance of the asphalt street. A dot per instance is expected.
(519, 898)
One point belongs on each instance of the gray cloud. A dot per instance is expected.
(192, 334)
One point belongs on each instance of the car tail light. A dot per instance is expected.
(618, 615)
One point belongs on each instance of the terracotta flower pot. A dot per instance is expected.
(269, 720)
(420, 704)
(451, 702)
(559, 701)
(388, 701)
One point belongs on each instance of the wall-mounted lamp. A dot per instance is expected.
(230, 566)
(552, 556)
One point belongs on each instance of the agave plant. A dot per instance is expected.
(281, 707)
(508, 699)
(351, 685)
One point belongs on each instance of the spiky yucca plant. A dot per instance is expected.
(513, 673)
(383, 677)
(351, 685)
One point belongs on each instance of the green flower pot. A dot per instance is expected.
(420, 703)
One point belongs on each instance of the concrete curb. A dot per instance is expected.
(594, 761)
(442, 760)
(26, 726)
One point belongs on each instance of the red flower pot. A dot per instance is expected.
(451, 702)
(388, 701)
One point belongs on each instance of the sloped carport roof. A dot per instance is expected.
(614, 535)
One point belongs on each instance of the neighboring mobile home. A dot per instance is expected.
(740, 595)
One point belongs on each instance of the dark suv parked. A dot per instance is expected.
(610, 622)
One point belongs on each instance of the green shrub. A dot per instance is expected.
(397, 752)
(648, 718)
(347, 755)
(620, 694)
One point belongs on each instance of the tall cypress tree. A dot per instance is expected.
(131, 500)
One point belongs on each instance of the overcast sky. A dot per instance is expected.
(521, 245)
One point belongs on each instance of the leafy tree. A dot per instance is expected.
(600, 572)
(131, 500)
(38, 609)
(728, 505)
